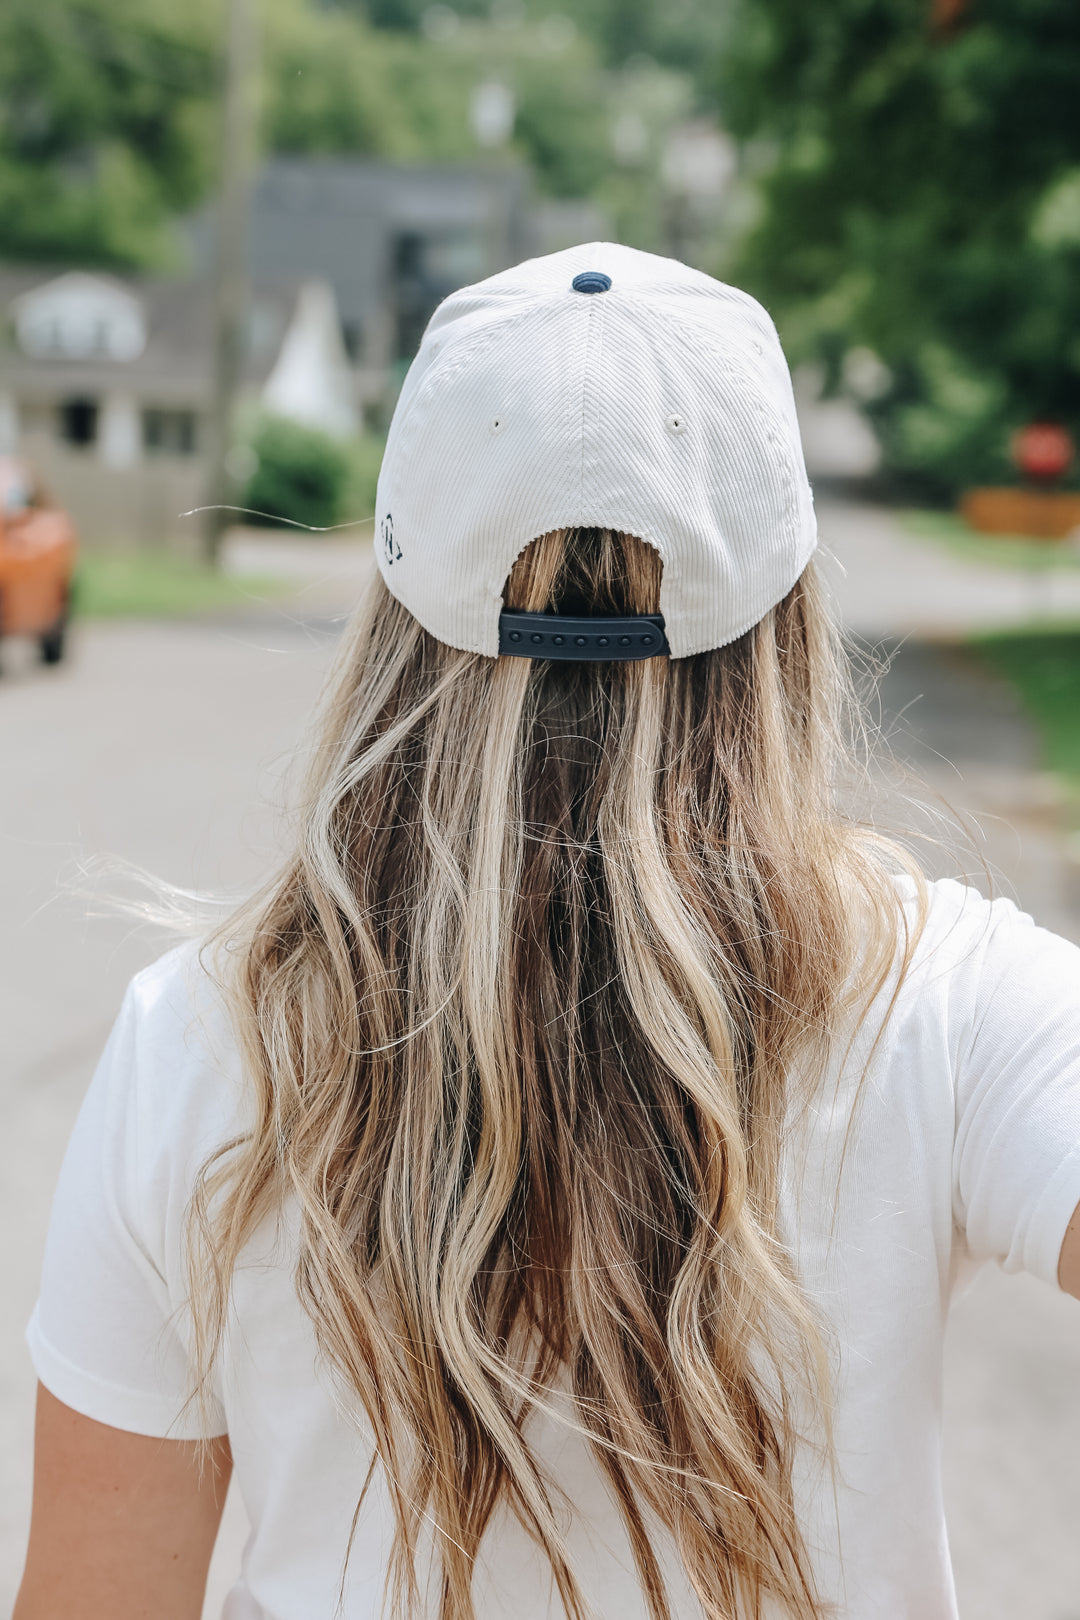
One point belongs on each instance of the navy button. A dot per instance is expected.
(536, 638)
(624, 641)
(602, 641)
(515, 635)
(580, 641)
(591, 281)
(558, 640)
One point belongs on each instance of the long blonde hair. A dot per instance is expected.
(522, 1019)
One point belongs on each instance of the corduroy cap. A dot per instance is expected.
(597, 387)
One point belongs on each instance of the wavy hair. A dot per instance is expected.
(560, 948)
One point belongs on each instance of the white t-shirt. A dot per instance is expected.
(964, 1147)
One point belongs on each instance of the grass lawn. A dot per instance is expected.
(158, 584)
(999, 550)
(1044, 667)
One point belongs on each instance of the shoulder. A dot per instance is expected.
(949, 939)
(971, 953)
(956, 929)
(172, 1069)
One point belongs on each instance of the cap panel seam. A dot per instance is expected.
(440, 372)
(593, 337)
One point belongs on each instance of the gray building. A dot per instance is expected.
(392, 241)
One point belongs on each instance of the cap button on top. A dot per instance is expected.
(591, 281)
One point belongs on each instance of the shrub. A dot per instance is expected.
(301, 475)
(358, 500)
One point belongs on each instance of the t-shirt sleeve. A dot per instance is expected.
(1016, 1163)
(107, 1336)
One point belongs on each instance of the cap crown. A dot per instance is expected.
(661, 406)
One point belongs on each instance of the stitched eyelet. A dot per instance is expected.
(496, 425)
(675, 424)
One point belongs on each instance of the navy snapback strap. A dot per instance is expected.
(596, 640)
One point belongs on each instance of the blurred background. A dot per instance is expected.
(223, 226)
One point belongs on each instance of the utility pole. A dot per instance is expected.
(239, 118)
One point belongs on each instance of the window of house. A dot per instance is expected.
(79, 421)
(78, 316)
(169, 430)
(352, 337)
(412, 296)
(424, 268)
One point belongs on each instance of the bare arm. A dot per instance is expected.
(1069, 1264)
(123, 1526)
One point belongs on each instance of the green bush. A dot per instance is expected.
(1044, 667)
(365, 459)
(301, 476)
(945, 425)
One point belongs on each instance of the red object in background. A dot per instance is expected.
(947, 15)
(1043, 450)
(37, 558)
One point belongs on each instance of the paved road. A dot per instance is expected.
(888, 583)
(169, 745)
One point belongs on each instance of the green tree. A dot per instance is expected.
(106, 125)
(109, 117)
(920, 173)
(686, 34)
(406, 16)
(334, 84)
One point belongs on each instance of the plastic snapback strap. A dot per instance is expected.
(583, 641)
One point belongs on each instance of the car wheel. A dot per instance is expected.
(54, 641)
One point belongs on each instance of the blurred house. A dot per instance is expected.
(105, 384)
(106, 381)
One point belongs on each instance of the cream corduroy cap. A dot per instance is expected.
(650, 398)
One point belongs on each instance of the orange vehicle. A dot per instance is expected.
(37, 560)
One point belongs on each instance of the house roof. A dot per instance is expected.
(176, 364)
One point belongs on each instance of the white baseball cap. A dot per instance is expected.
(598, 387)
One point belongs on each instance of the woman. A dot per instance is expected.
(547, 1193)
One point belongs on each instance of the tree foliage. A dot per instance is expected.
(331, 83)
(921, 190)
(104, 125)
(109, 115)
(683, 34)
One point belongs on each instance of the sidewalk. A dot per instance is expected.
(889, 583)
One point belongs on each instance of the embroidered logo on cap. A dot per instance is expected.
(391, 549)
